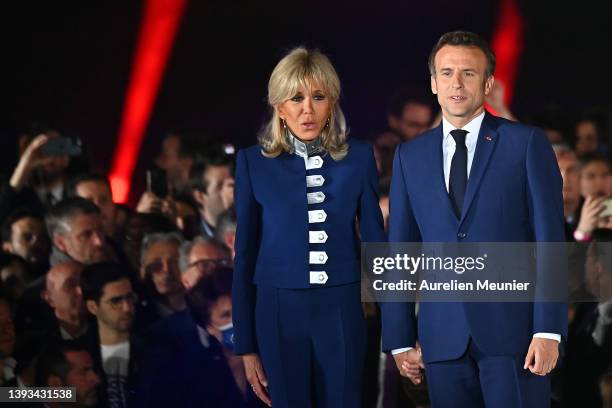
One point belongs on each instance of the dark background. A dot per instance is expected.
(69, 63)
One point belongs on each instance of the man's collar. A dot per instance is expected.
(203, 334)
(472, 127)
(304, 149)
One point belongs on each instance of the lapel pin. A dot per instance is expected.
(488, 138)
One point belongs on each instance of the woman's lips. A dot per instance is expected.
(308, 125)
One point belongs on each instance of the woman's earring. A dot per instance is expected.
(327, 124)
(284, 123)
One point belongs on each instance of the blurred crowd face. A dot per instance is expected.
(202, 259)
(161, 265)
(63, 291)
(84, 241)
(596, 180)
(219, 195)
(29, 240)
(83, 377)
(460, 82)
(177, 168)
(307, 112)
(7, 330)
(14, 277)
(169, 155)
(115, 310)
(586, 138)
(220, 314)
(100, 194)
(415, 120)
(570, 172)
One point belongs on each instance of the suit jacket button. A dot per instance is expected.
(461, 235)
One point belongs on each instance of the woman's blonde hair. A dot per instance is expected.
(303, 67)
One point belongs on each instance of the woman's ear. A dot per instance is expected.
(280, 112)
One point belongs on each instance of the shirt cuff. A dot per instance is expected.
(551, 336)
(400, 350)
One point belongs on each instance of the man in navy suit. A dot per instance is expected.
(475, 178)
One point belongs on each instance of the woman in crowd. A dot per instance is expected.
(296, 294)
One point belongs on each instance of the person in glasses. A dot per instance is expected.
(199, 257)
(109, 297)
(159, 269)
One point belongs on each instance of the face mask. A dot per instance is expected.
(227, 335)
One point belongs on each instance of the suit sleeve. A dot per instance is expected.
(545, 200)
(398, 318)
(248, 217)
(370, 217)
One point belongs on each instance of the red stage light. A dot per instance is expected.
(507, 44)
(161, 19)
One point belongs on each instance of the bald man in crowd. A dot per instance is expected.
(63, 294)
(53, 307)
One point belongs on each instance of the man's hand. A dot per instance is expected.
(256, 377)
(542, 356)
(410, 363)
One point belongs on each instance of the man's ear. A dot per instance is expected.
(7, 247)
(92, 307)
(489, 84)
(44, 295)
(55, 381)
(434, 85)
(60, 242)
(200, 197)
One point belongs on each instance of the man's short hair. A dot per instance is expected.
(185, 249)
(84, 178)
(19, 214)
(59, 216)
(53, 362)
(595, 158)
(463, 39)
(150, 239)
(199, 169)
(96, 276)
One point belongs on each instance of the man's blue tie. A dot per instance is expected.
(458, 173)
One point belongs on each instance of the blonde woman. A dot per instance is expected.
(296, 294)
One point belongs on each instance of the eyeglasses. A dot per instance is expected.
(116, 301)
(158, 266)
(205, 265)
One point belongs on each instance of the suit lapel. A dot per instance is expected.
(487, 138)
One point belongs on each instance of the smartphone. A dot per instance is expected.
(157, 182)
(607, 209)
(61, 146)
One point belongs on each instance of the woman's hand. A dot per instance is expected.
(256, 377)
(30, 158)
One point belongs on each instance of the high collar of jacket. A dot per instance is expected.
(304, 149)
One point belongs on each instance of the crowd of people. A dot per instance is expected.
(132, 306)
